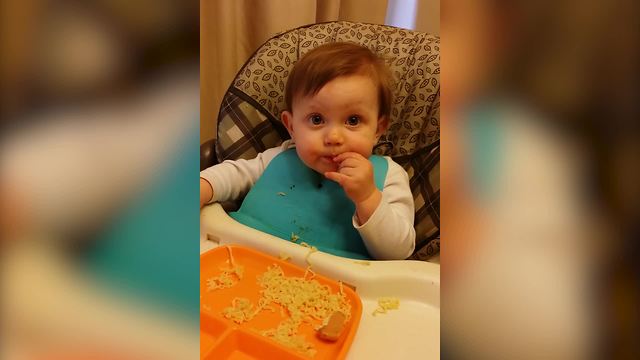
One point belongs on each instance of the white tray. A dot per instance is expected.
(411, 332)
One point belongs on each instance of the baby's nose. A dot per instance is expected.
(333, 138)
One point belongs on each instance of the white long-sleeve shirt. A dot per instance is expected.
(388, 234)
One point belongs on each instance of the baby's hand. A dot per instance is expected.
(355, 175)
(206, 192)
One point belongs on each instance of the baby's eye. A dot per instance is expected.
(353, 120)
(315, 119)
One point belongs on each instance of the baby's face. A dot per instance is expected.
(341, 117)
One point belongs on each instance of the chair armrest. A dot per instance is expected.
(208, 154)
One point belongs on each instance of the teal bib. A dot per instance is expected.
(291, 199)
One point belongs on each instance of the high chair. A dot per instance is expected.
(248, 123)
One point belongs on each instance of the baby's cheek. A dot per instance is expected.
(365, 150)
(306, 157)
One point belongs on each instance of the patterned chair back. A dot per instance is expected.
(248, 121)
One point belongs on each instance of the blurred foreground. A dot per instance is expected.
(99, 225)
(540, 179)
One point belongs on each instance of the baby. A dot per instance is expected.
(324, 186)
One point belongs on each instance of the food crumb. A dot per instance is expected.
(362, 262)
(386, 303)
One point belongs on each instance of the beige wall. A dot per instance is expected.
(428, 16)
(231, 30)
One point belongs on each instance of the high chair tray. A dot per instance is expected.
(410, 332)
(221, 338)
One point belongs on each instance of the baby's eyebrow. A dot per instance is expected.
(315, 107)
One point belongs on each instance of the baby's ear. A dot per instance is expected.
(383, 124)
(287, 120)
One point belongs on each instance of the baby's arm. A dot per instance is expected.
(389, 234)
(232, 179)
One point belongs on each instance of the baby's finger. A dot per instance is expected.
(350, 163)
(335, 176)
(348, 172)
(345, 155)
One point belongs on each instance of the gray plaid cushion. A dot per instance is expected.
(243, 130)
(424, 174)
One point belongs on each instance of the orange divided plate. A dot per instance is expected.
(221, 338)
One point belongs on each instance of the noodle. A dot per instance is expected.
(224, 280)
(308, 270)
(304, 301)
(386, 303)
(301, 299)
(311, 251)
(239, 311)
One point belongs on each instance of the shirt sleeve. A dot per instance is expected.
(389, 233)
(232, 179)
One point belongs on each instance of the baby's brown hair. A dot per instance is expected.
(332, 60)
